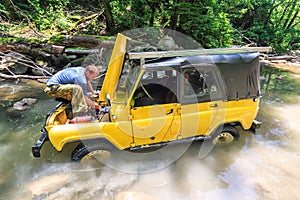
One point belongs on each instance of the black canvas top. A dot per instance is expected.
(240, 71)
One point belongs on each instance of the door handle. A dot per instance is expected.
(214, 105)
(169, 112)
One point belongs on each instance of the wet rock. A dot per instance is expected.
(34, 83)
(11, 91)
(60, 60)
(24, 104)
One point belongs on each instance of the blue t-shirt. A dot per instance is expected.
(72, 75)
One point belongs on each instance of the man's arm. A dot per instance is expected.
(90, 88)
(92, 103)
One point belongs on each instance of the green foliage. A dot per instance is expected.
(131, 14)
(213, 23)
(49, 14)
(266, 22)
(211, 29)
(199, 20)
(3, 10)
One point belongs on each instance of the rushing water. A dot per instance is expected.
(264, 165)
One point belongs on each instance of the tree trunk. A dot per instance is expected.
(247, 20)
(174, 16)
(110, 24)
(153, 8)
(9, 5)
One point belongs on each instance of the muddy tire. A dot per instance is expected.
(226, 136)
(95, 151)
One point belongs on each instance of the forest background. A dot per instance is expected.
(213, 23)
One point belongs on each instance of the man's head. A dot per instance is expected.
(91, 72)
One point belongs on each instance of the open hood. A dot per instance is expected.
(114, 68)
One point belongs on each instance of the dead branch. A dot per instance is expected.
(11, 58)
(5, 76)
(14, 57)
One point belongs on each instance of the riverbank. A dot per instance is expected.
(291, 67)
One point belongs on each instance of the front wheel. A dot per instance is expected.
(87, 152)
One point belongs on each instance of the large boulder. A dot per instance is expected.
(167, 43)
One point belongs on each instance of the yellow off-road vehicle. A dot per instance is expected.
(152, 99)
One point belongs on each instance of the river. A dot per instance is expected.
(264, 165)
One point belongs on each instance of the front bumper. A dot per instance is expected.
(36, 149)
(256, 124)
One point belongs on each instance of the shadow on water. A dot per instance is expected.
(263, 165)
(279, 86)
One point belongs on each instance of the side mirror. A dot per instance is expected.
(108, 99)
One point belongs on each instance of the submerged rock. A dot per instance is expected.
(18, 109)
(24, 104)
(47, 184)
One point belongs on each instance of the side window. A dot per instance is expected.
(198, 82)
(156, 87)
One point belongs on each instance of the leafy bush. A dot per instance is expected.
(49, 14)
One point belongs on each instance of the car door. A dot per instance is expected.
(202, 100)
(155, 113)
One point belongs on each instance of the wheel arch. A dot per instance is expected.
(225, 126)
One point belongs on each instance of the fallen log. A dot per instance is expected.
(81, 41)
(56, 44)
(53, 49)
(33, 49)
(24, 49)
(82, 52)
(279, 61)
(287, 58)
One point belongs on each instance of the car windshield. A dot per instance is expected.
(127, 82)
